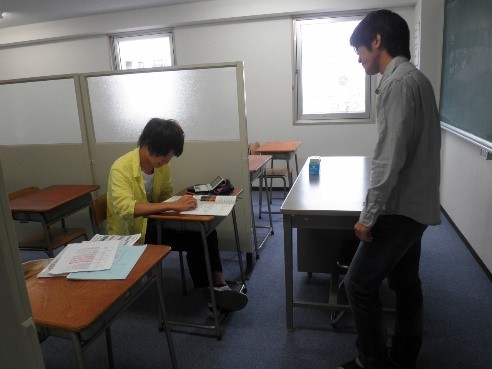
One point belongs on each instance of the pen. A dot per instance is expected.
(207, 198)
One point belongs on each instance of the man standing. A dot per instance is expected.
(402, 200)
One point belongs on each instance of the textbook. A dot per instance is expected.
(210, 205)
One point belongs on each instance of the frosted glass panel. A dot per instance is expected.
(203, 101)
(39, 112)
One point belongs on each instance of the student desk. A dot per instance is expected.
(257, 169)
(83, 310)
(330, 201)
(50, 205)
(203, 224)
(281, 150)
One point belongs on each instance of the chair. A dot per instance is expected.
(99, 208)
(57, 236)
(31, 269)
(280, 173)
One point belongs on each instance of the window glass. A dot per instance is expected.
(149, 50)
(330, 83)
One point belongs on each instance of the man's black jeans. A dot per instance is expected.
(394, 253)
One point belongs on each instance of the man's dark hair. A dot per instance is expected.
(395, 35)
(161, 136)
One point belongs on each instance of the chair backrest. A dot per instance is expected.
(22, 192)
(99, 207)
(252, 147)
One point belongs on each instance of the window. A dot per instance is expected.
(150, 49)
(331, 86)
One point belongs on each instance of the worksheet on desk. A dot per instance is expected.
(124, 261)
(86, 256)
(219, 205)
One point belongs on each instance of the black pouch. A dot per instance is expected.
(224, 188)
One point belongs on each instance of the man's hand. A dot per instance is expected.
(363, 233)
(186, 202)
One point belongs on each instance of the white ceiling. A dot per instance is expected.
(21, 12)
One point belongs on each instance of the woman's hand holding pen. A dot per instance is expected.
(186, 202)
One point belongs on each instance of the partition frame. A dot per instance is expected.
(243, 209)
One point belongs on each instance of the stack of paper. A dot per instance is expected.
(87, 256)
(104, 257)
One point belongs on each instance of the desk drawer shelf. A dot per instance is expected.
(58, 237)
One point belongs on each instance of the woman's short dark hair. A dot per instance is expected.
(395, 35)
(160, 136)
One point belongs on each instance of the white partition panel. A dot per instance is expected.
(39, 112)
(209, 103)
(204, 101)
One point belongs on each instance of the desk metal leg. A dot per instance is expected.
(216, 325)
(210, 282)
(268, 206)
(238, 248)
(78, 349)
(297, 166)
(288, 260)
(109, 345)
(48, 238)
(162, 309)
(270, 228)
(255, 239)
(289, 173)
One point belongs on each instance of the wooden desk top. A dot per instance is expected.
(339, 189)
(50, 198)
(73, 306)
(257, 161)
(278, 147)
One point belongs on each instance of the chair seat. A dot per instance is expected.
(278, 172)
(33, 267)
(59, 237)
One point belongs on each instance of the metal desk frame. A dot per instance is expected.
(203, 224)
(333, 200)
(257, 169)
(280, 150)
(43, 207)
(67, 329)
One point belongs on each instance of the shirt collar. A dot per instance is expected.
(390, 68)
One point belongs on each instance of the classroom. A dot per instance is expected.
(250, 43)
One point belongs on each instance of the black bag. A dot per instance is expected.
(224, 188)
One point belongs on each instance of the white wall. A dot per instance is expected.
(266, 48)
(57, 57)
(258, 32)
(465, 177)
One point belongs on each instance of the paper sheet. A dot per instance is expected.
(123, 240)
(217, 208)
(124, 261)
(86, 256)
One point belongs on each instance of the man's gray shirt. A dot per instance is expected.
(405, 171)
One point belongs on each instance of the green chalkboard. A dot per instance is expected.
(466, 84)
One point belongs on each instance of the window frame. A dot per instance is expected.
(333, 118)
(114, 39)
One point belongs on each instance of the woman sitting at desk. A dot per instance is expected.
(139, 182)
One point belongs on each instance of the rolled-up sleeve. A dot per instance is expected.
(120, 188)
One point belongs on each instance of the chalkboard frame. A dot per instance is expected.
(458, 108)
